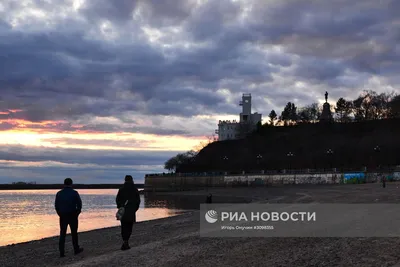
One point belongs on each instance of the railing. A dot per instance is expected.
(277, 172)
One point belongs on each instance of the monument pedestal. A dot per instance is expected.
(326, 115)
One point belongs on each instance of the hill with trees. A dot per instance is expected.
(365, 133)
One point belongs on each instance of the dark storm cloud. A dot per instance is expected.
(4, 25)
(84, 156)
(319, 70)
(50, 62)
(70, 72)
(202, 97)
(116, 10)
(153, 12)
(83, 174)
(282, 97)
(167, 12)
(52, 165)
(358, 32)
(209, 20)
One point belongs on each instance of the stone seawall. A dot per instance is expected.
(173, 183)
(327, 178)
(176, 182)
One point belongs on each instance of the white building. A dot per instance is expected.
(231, 129)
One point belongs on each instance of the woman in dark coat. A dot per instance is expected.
(128, 193)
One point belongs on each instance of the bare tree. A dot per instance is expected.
(372, 106)
(309, 114)
(394, 107)
(210, 139)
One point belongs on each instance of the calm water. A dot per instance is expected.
(29, 214)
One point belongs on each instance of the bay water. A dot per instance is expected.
(27, 215)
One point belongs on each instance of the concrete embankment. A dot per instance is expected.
(178, 182)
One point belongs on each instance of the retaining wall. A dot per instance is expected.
(176, 183)
(173, 183)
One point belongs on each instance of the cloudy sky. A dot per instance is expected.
(94, 90)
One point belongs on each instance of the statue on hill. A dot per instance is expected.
(326, 115)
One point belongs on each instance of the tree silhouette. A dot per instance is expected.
(372, 106)
(309, 114)
(394, 107)
(289, 114)
(272, 117)
(175, 162)
(343, 110)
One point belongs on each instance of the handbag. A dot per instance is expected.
(120, 212)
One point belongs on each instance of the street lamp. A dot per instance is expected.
(290, 156)
(330, 152)
(377, 149)
(259, 158)
(225, 159)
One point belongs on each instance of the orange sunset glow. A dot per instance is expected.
(37, 141)
(31, 137)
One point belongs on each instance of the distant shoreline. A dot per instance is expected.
(60, 186)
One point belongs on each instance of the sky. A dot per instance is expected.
(95, 90)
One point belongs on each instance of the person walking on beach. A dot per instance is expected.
(68, 206)
(129, 198)
(209, 199)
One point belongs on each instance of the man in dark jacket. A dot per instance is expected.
(68, 205)
(128, 193)
(209, 198)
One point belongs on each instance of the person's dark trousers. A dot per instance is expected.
(126, 230)
(70, 219)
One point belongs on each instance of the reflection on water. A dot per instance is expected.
(29, 214)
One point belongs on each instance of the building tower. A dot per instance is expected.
(247, 121)
(245, 116)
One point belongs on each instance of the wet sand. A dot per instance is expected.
(175, 241)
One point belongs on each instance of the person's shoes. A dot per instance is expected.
(125, 246)
(78, 251)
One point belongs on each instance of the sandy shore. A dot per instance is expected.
(175, 241)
